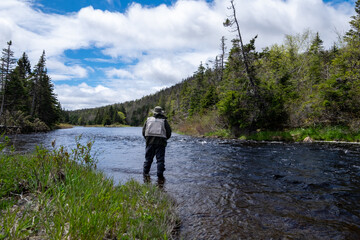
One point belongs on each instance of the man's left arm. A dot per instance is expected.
(143, 130)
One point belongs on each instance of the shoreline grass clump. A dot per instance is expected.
(58, 194)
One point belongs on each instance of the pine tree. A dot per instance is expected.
(44, 103)
(7, 62)
(342, 94)
(39, 73)
(316, 52)
(353, 35)
(99, 116)
(17, 87)
(49, 107)
(24, 69)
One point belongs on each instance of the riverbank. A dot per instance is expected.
(328, 134)
(63, 126)
(204, 127)
(58, 194)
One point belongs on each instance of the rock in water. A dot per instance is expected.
(308, 139)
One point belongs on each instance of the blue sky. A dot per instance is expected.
(63, 7)
(101, 52)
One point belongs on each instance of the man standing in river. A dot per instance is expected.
(156, 131)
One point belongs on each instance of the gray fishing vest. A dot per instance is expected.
(155, 127)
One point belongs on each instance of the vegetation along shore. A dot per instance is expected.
(58, 194)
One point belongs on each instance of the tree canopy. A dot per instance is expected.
(27, 95)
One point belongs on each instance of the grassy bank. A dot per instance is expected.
(209, 124)
(335, 133)
(63, 126)
(212, 125)
(58, 195)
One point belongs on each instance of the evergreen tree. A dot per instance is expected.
(316, 67)
(44, 103)
(116, 118)
(17, 89)
(234, 101)
(197, 90)
(49, 108)
(210, 98)
(342, 91)
(16, 93)
(7, 62)
(185, 97)
(353, 35)
(39, 73)
(99, 116)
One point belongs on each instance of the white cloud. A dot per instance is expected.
(60, 71)
(162, 70)
(119, 73)
(272, 19)
(163, 44)
(84, 96)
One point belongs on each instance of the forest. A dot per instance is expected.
(295, 84)
(28, 102)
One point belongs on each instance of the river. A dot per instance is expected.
(237, 190)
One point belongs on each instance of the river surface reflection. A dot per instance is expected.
(237, 190)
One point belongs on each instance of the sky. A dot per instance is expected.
(100, 52)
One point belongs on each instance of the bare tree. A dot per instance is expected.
(222, 56)
(233, 22)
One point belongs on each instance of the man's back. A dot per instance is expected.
(156, 131)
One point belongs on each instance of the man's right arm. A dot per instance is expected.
(168, 129)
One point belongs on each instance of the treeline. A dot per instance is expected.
(27, 100)
(298, 83)
(108, 115)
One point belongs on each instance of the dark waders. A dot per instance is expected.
(153, 150)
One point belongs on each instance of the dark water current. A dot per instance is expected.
(238, 190)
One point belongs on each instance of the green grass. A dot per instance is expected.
(331, 133)
(223, 133)
(336, 133)
(58, 194)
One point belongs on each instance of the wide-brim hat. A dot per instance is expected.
(158, 109)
